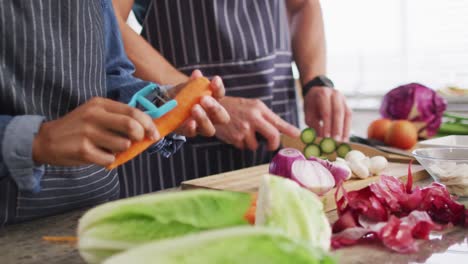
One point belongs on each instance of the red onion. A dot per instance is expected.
(282, 162)
(313, 176)
(339, 170)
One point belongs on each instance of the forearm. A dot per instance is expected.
(149, 64)
(16, 146)
(308, 38)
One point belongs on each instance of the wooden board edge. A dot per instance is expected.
(328, 200)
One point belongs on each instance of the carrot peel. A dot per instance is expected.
(250, 214)
(60, 239)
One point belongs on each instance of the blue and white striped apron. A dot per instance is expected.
(51, 61)
(247, 43)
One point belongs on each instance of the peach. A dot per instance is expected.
(378, 128)
(402, 134)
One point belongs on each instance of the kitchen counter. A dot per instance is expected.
(22, 243)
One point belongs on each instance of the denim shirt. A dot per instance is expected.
(17, 132)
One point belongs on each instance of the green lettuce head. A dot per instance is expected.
(283, 204)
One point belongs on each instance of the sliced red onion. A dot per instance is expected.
(282, 162)
(313, 176)
(339, 170)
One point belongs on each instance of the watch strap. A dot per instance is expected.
(320, 80)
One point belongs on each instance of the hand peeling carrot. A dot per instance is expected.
(60, 239)
(190, 95)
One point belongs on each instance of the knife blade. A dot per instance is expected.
(380, 145)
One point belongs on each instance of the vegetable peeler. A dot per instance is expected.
(146, 100)
(171, 114)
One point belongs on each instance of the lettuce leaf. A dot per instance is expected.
(117, 226)
(243, 245)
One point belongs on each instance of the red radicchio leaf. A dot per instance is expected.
(409, 181)
(438, 203)
(345, 221)
(422, 224)
(363, 213)
(392, 193)
(389, 190)
(342, 203)
(364, 202)
(396, 234)
(352, 236)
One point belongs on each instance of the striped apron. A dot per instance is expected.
(51, 61)
(247, 43)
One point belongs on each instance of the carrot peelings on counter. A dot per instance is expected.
(189, 95)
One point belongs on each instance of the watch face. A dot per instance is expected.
(325, 81)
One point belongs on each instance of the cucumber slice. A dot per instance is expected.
(308, 135)
(328, 145)
(342, 150)
(312, 150)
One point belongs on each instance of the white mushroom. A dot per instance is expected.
(354, 155)
(359, 169)
(377, 165)
(366, 162)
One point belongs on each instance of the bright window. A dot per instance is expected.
(376, 45)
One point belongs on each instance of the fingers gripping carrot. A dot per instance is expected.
(190, 95)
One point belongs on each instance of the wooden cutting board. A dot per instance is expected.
(248, 180)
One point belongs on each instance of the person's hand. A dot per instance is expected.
(327, 112)
(250, 116)
(91, 133)
(207, 114)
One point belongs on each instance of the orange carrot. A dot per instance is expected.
(250, 214)
(190, 95)
(60, 239)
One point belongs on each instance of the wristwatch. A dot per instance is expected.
(320, 80)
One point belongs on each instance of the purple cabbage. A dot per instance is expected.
(416, 103)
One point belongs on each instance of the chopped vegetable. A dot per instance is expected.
(313, 176)
(283, 204)
(281, 163)
(190, 95)
(312, 150)
(416, 103)
(342, 150)
(328, 145)
(394, 213)
(117, 226)
(238, 245)
(338, 169)
(308, 135)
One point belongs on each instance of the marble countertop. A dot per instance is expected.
(23, 244)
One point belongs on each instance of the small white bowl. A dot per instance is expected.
(445, 142)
